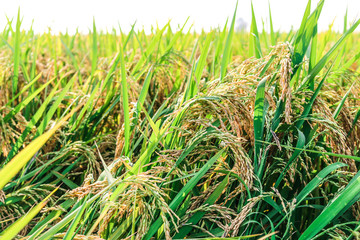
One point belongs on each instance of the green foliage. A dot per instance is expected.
(174, 134)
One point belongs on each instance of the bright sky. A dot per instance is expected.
(204, 14)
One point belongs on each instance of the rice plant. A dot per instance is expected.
(178, 134)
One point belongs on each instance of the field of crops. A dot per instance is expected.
(176, 134)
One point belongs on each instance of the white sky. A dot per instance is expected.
(204, 14)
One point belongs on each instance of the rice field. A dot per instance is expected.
(180, 134)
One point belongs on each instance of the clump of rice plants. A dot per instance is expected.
(180, 135)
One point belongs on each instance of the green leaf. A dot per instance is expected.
(254, 41)
(21, 223)
(87, 107)
(54, 107)
(142, 96)
(198, 215)
(320, 65)
(17, 52)
(125, 102)
(14, 166)
(40, 226)
(318, 179)
(356, 158)
(149, 50)
(74, 61)
(299, 46)
(341, 104)
(183, 192)
(70, 233)
(345, 20)
(259, 120)
(272, 34)
(136, 169)
(200, 64)
(36, 117)
(356, 118)
(337, 205)
(25, 102)
(24, 89)
(314, 183)
(308, 106)
(312, 60)
(299, 145)
(227, 49)
(94, 50)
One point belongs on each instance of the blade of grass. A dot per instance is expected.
(142, 96)
(74, 61)
(70, 233)
(298, 52)
(308, 106)
(311, 186)
(341, 104)
(356, 118)
(356, 158)
(182, 193)
(25, 102)
(67, 219)
(259, 121)
(14, 166)
(272, 34)
(136, 169)
(198, 215)
(21, 223)
(312, 60)
(227, 49)
(40, 226)
(32, 123)
(24, 89)
(54, 107)
(125, 102)
(94, 50)
(317, 180)
(17, 52)
(254, 41)
(299, 145)
(320, 65)
(334, 207)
